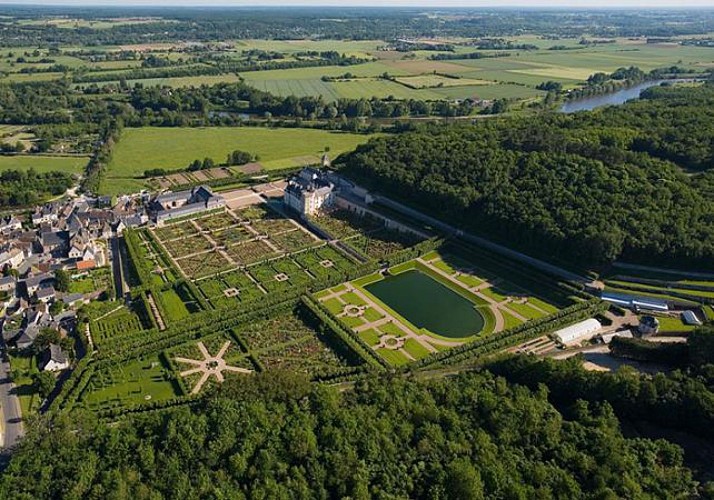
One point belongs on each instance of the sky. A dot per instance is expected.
(385, 3)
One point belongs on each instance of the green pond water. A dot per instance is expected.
(428, 304)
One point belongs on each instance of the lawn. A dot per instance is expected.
(69, 164)
(174, 148)
(175, 308)
(133, 383)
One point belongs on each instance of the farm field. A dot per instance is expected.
(72, 165)
(177, 82)
(174, 148)
(350, 47)
(513, 77)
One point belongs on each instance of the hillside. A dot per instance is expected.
(590, 187)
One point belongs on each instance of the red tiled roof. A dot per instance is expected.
(86, 264)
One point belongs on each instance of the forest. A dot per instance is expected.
(619, 183)
(24, 188)
(276, 436)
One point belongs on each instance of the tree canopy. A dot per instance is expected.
(588, 187)
(474, 436)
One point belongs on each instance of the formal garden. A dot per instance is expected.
(235, 292)
(394, 311)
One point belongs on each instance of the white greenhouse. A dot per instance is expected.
(578, 331)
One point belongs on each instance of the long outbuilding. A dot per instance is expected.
(578, 331)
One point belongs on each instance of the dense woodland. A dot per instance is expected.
(587, 187)
(275, 436)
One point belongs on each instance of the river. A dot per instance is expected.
(617, 97)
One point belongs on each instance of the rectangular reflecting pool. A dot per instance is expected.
(428, 304)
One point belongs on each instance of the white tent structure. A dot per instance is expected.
(578, 331)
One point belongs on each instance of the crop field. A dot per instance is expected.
(69, 164)
(176, 82)
(304, 82)
(174, 148)
(434, 81)
(513, 77)
(349, 47)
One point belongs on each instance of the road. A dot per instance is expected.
(117, 269)
(10, 408)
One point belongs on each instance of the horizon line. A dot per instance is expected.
(427, 4)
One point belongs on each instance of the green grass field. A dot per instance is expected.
(180, 81)
(512, 77)
(72, 165)
(174, 148)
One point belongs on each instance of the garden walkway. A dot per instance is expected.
(209, 366)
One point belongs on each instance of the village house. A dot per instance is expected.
(33, 283)
(45, 294)
(9, 224)
(54, 242)
(74, 300)
(27, 336)
(54, 359)
(8, 284)
(12, 258)
(45, 214)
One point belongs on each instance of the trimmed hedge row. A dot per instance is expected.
(514, 336)
(411, 253)
(138, 265)
(373, 359)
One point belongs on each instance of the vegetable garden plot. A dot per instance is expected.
(378, 244)
(188, 246)
(254, 212)
(272, 226)
(342, 224)
(174, 231)
(204, 264)
(250, 252)
(292, 241)
(217, 221)
(230, 236)
(248, 290)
